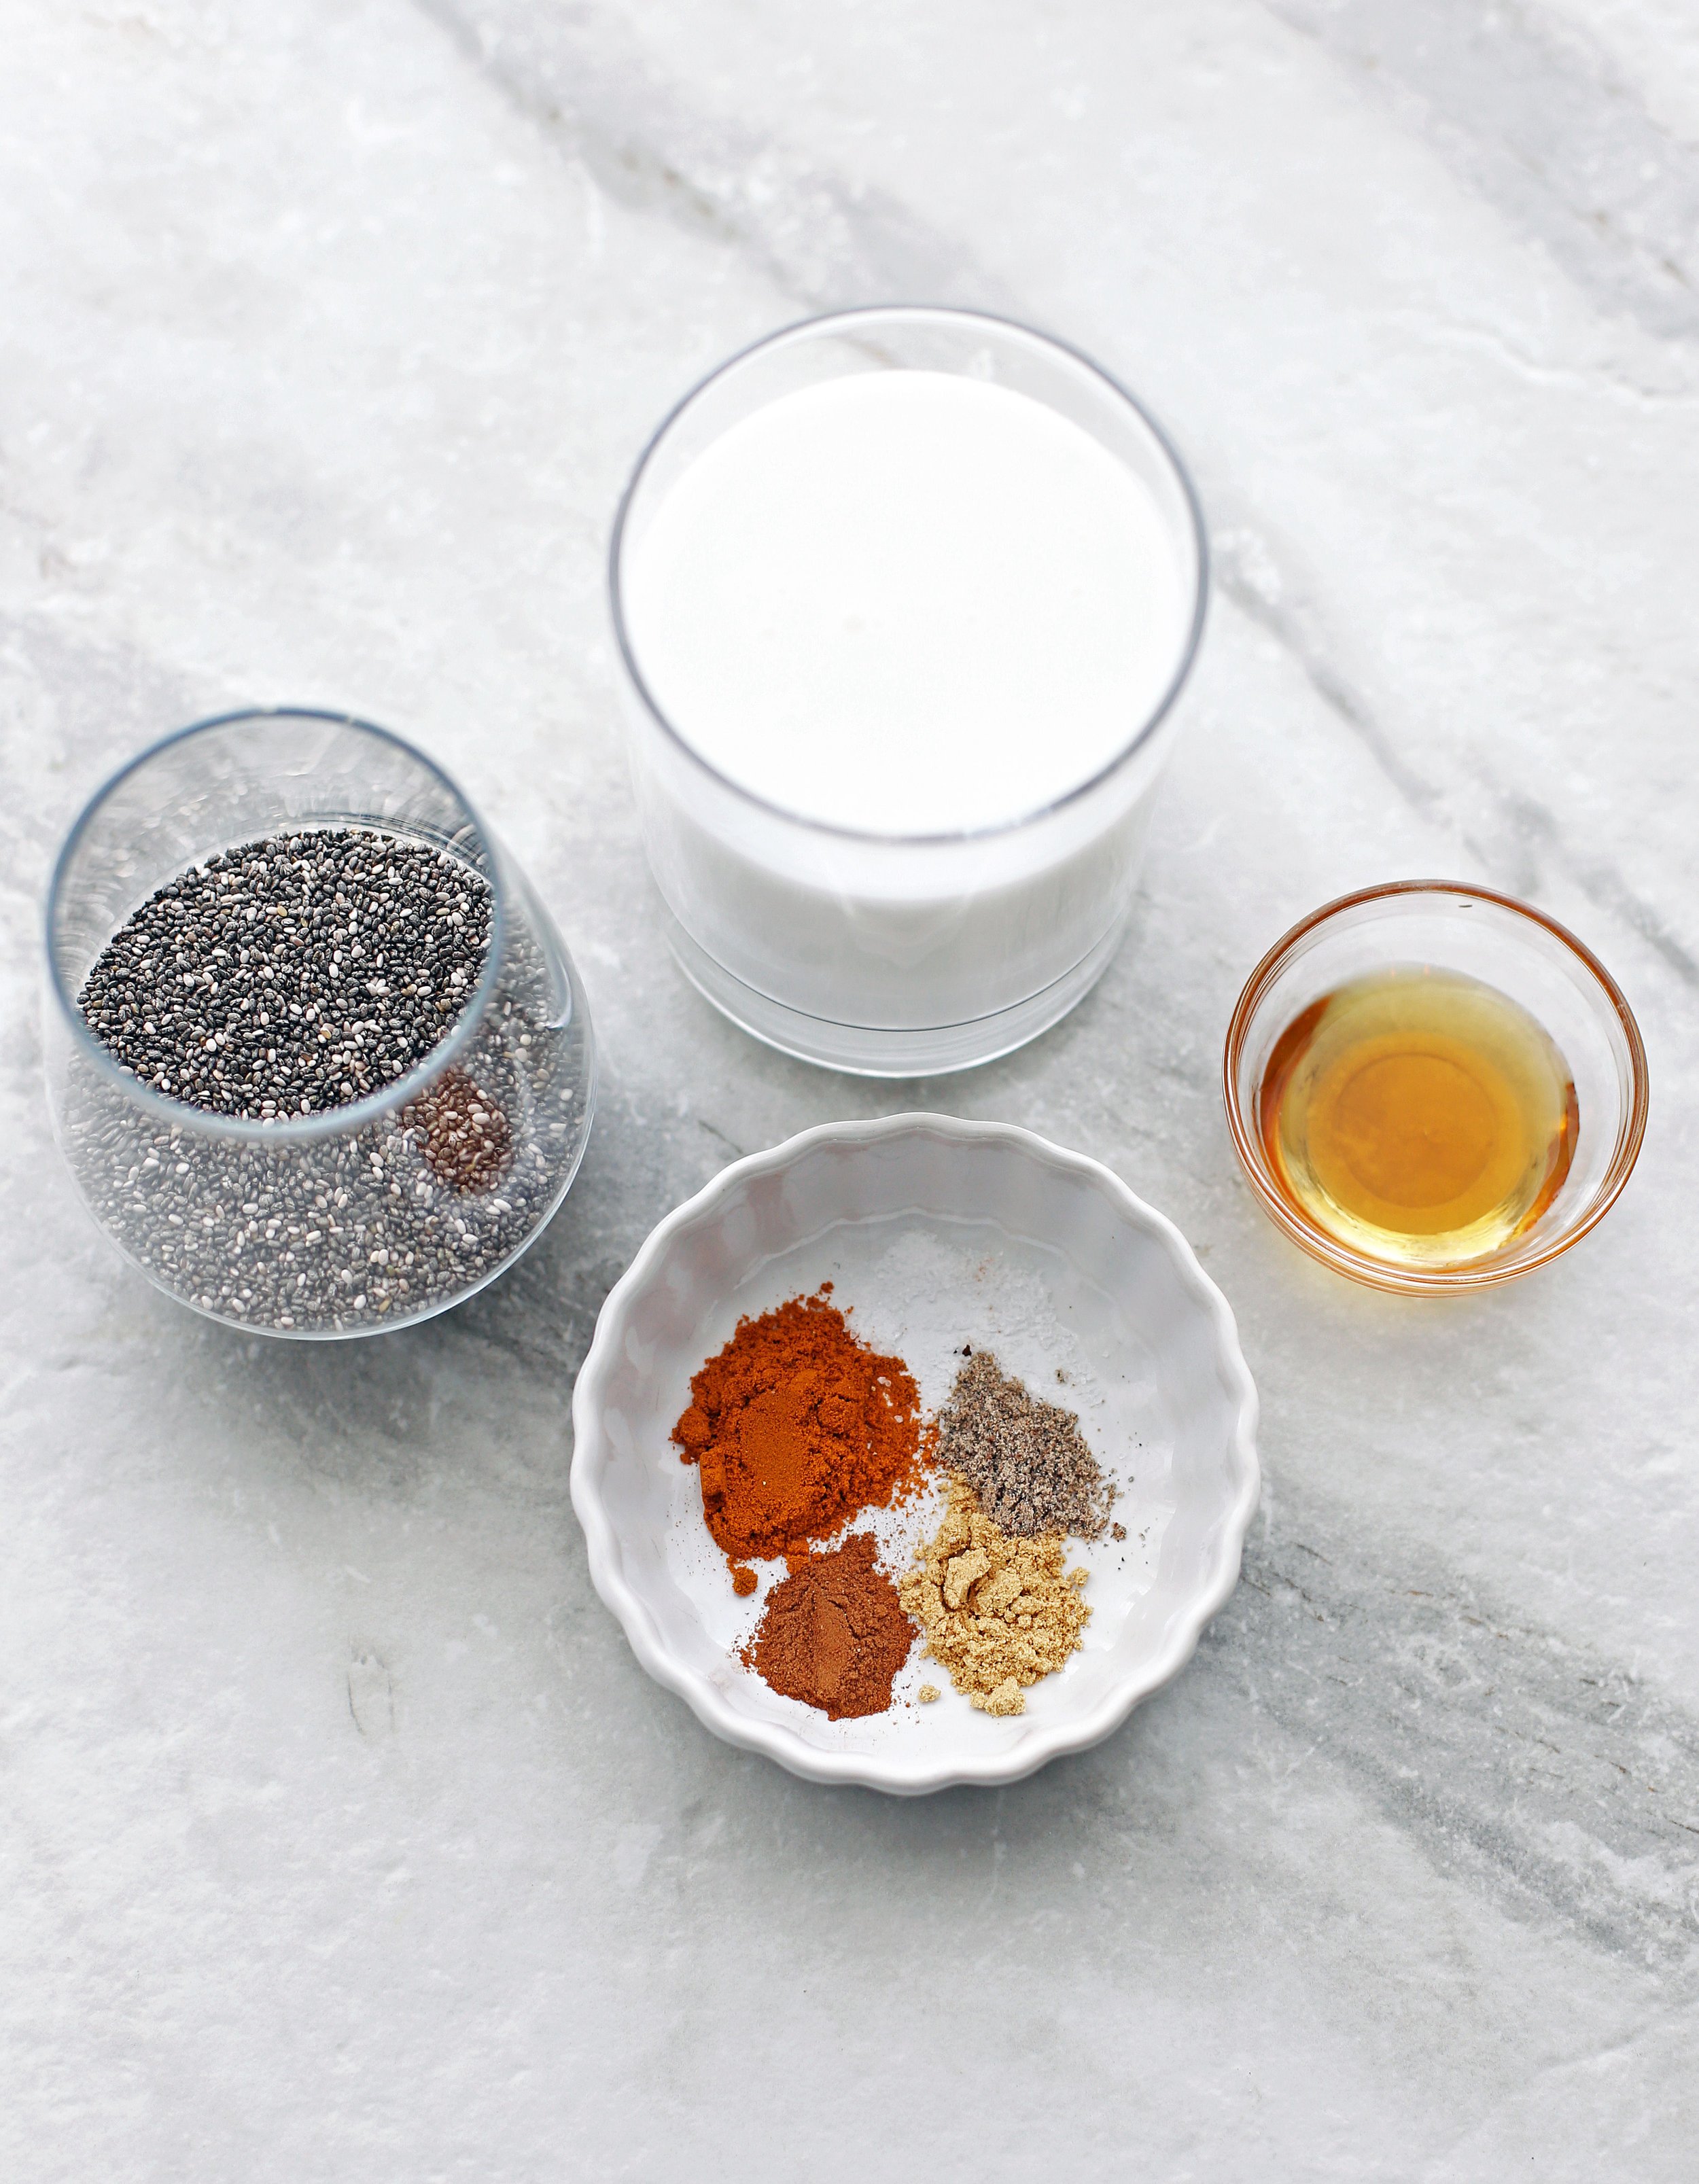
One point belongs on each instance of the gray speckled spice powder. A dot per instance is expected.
(1026, 1460)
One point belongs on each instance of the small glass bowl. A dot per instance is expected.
(1453, 926)
(353, 1218)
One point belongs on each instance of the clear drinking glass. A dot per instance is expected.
(342, 1221)
(898, 955)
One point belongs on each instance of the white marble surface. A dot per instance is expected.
(342, 1838)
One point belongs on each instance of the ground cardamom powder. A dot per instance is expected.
(1026, 1460)
(997, 1614)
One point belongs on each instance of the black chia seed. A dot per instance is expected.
(1026, 1460)
(293, 974)
(350, 1229)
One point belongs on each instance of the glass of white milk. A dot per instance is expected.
(905, 598)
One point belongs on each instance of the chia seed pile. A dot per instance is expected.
(291, 974)
(1026, 1460)
(286, 978)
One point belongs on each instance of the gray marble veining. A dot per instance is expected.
(589, 87)
(1555, 1778)
(343, 1838)
(1531, 113)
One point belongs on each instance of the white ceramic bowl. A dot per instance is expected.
(934, 1233)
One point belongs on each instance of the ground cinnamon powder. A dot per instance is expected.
(794, 1427)
(833, 1634)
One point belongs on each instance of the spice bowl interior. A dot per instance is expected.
(358, 1216)
(935, 1234)
(1450, 927)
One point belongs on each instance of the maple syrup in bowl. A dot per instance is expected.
(1433, 1087)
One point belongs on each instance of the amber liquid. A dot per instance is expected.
(1418, 1116)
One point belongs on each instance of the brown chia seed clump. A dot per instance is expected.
(466, 1139)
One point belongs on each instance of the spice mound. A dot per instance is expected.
(1026, 1460)
(833, 1634)
(997, 1614)
(795, 1426)
(293, 974)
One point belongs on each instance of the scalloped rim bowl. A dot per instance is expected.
(934, 1231)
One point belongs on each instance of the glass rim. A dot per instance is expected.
(819, 324)
(354, 1115)
(1433, 1281)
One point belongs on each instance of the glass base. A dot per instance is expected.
(869, 1051)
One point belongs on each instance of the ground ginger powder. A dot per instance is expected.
(996, 1612)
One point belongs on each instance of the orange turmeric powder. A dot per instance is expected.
(794, 1427)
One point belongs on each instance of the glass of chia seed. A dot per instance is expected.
(319, 1060)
